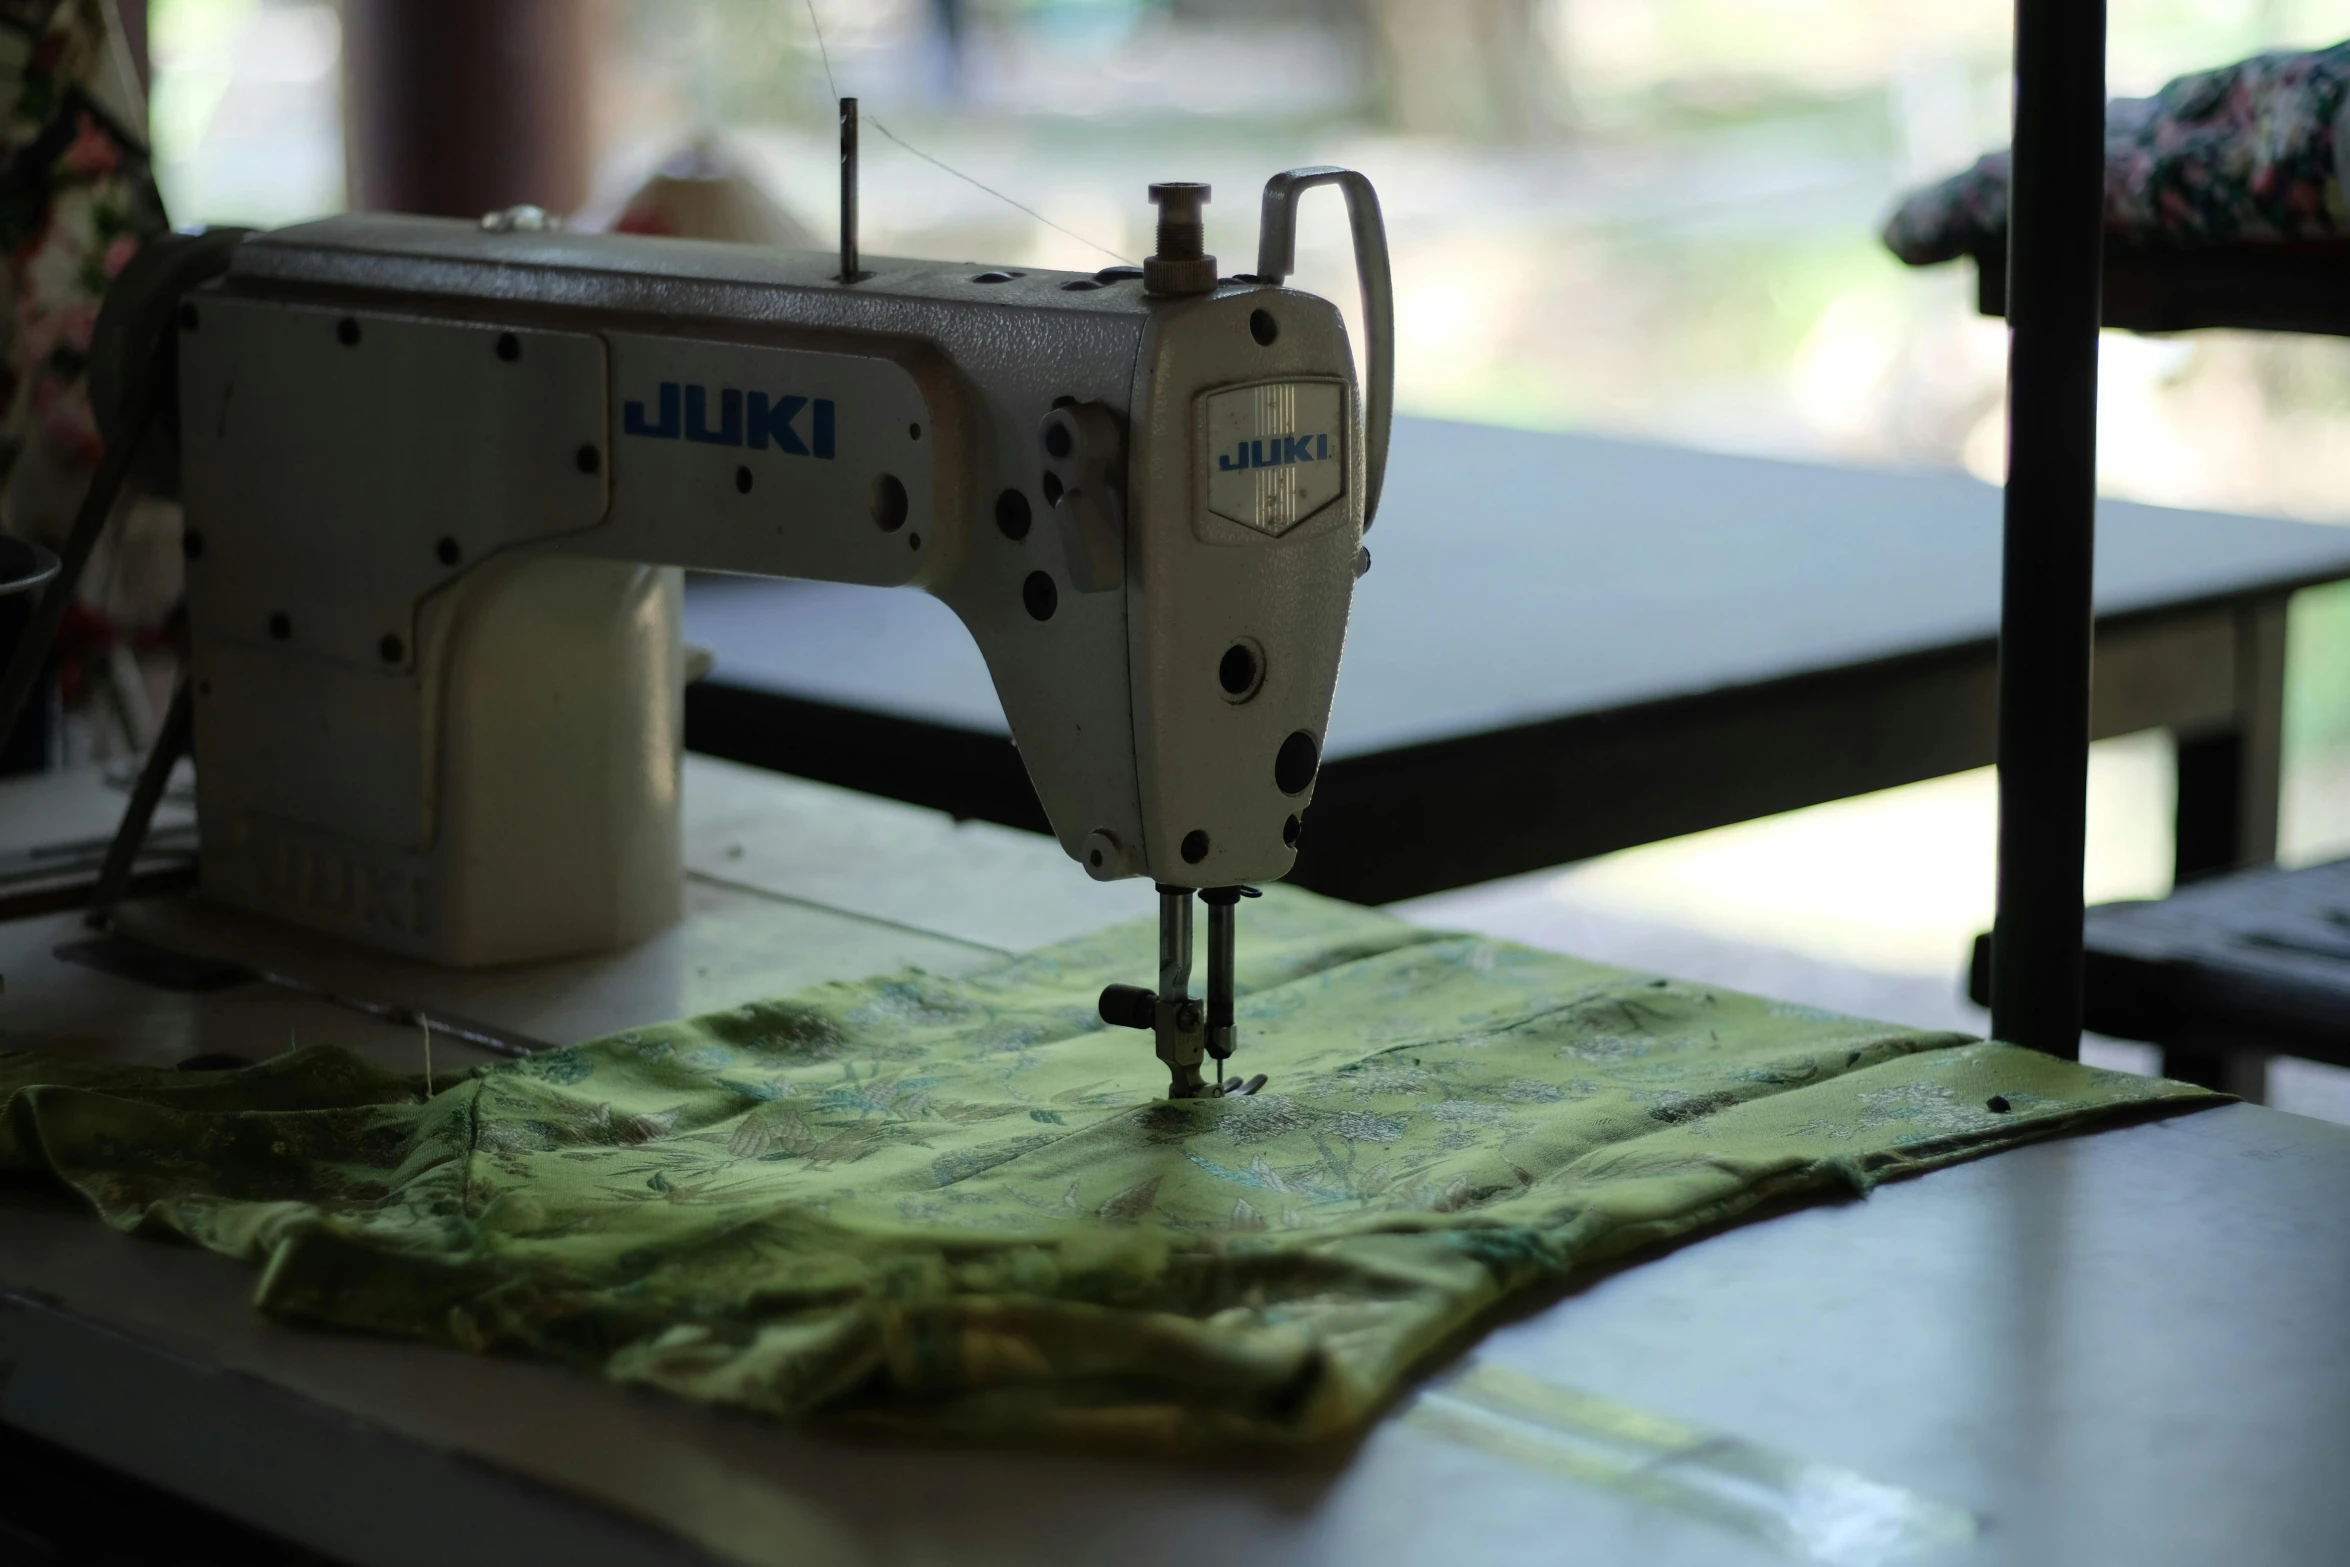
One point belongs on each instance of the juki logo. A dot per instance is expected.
(772, 421)
(1275, 451)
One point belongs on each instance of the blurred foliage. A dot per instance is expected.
(2317, 694)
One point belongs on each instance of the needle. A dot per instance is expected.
(1223, 1037)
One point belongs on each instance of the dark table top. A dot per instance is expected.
(1521, 577)
(2251, 285)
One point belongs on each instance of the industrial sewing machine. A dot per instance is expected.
(440, 478)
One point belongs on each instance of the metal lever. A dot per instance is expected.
(850, 272)
(1277, 258)
(1175, 1017)
(1170, 1014)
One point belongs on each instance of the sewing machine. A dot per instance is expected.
(440, 479)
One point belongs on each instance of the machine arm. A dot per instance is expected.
(437, 478)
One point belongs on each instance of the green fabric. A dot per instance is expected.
(952, 1204)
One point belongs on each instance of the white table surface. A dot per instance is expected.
(2123, 1347)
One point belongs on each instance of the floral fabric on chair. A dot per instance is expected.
(2251, 152)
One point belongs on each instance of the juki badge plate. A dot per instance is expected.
(1275, 454)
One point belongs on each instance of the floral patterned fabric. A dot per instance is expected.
(77, 200)
(2248, 152)
(950, 1205)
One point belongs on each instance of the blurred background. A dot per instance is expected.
(1649, 217)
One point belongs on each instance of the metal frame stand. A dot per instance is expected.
(2055, 238)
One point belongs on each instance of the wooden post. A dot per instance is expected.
(460, 107)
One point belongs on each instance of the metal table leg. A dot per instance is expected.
(2229, 778)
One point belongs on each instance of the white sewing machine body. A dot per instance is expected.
(438, 480)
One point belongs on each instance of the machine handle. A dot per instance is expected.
(1127, 1006)
(1277, 258)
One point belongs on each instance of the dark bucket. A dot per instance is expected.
(24, 570)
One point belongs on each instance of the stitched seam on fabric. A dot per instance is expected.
(1043, 1147)
(1349, 956)
(1769, 1090)
(472, 1144)
(1433, 1040)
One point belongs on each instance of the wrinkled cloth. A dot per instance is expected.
(2248, 152)
(951, 1205)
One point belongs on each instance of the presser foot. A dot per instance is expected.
(1177, 1025)
(1182, 1046)
(1187, 1032)
(1195, 1070)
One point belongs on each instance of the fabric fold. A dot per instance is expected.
(955, 1206)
